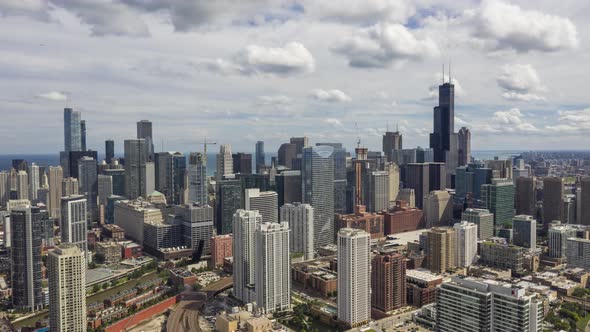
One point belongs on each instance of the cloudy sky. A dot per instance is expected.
(237, 71)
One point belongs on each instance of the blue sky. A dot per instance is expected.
(240, 71)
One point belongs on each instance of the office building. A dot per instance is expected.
(421, 287)
(131, 215)
(524, 231)
(354, 283)
(197, 179)
(105, 188)
(74, 158)
(34, 181)
(273, 267)
(66, 266)
(584, 201)
(136, 171)
(197, 226)
(402, 218)
(300, 219)
(497, 253)
(484, 221)
(69, 187)
(466, 243)
(553, 192)
(55, 191)
(224, 162)
(228, 201)
(340, 178)
(242, 163)
(371, 223)
(318, 190)
(498, 198)
(88, 182)
(438, 208)
(83, 135)
(26, 227)
(170, 171)
(526, 197)
(392, 140)
(378, 194)
(144, 131)
(72, 130)
(4, 188)
(393, 176)
(443, 139)
(245, 223)
(265, 202)
(464, 146)
(557, 240)
(288, 185)
(578, 253)
(286, 154)
(260, 157)
(388, 281)
(22, 185)
(441, 249)
(424, 178)
(493, 306)
(74, 224)
(407, 195)
(109, 147)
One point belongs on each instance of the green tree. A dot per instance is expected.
(95, 288)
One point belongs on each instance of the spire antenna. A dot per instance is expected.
(443, 73)
(450, 79)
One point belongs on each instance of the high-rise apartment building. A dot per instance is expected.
(74, 224)
(466, 243)
(498, 198)
(197, 179)
(224, 162)
(4, 188)
(493, 306)
(66, 267)
(273, 267)
(524, 231)
(300, 219)
(388, 281)
(260, 156)
(26, 227)
(441, 249)
(245, 224)
(354, 277)
(34, 181)
(69, 187)
(265, 202)
(135, 168)
(221, 248)
(484, 221)
(553, 192)
(525, 197)
(318, 190)
(55, 191)
(22, 185)
(392, 140)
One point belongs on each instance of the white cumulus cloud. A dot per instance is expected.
(360, 11)
(334, 95)
(520, 82)
(54, 95)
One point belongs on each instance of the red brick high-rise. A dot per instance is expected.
(221, 247)
(388, 281)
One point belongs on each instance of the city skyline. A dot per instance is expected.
(148, 63)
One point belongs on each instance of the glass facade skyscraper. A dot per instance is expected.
(72, 130)
(498, 198)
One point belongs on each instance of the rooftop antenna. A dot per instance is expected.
(397, 126)
(387, 128)
(358, 136)
(443, 74)
(450, 79)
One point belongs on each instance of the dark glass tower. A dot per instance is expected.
(83, 135)
(444, 124)
(259, 156)
(109, 146)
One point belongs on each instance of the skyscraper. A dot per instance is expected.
(242, 163)
(197, 179)
(441, 248)
(4, 188)
(22, 185)
(286, 154)
(66, 267)
(578, 253)
(493, 306)
(318, 190)
(26, 227)
(354, 277)
(69, 187)
(224, 162)
(391, 141)
(55, 191)
(553, 193)
(340, 181)
(273, 267)
(464, 146)
(584, 201)
(443, 139)
(88, 182)
(82, 135)
(424, 178)
(393, 175)
(557, 240)
(245, 224)
(524, 231)
(105, 188)
(526, 198)
(378, 198)
(74, 223)
(228, 200)
(288, 185)
(466, 243)
(144, 131)
(484, 221)
(265, 202)
(260, 157)
(498, 198)
(388, 281)
(72, 130)
(33, 181)
(135, 168)
(109, 147)
(300, 219)
(170, 170)
(438, 208)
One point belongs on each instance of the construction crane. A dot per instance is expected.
(205, 143)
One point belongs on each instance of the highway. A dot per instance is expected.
(185, 318)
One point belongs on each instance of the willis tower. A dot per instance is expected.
(443, 139)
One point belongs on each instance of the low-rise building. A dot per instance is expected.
(371, 223)
(402, 218)
(182, 277)
(421, 287)
(111, 251)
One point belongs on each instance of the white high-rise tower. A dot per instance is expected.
(245, 224)
(466, 243)
(300, 219)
